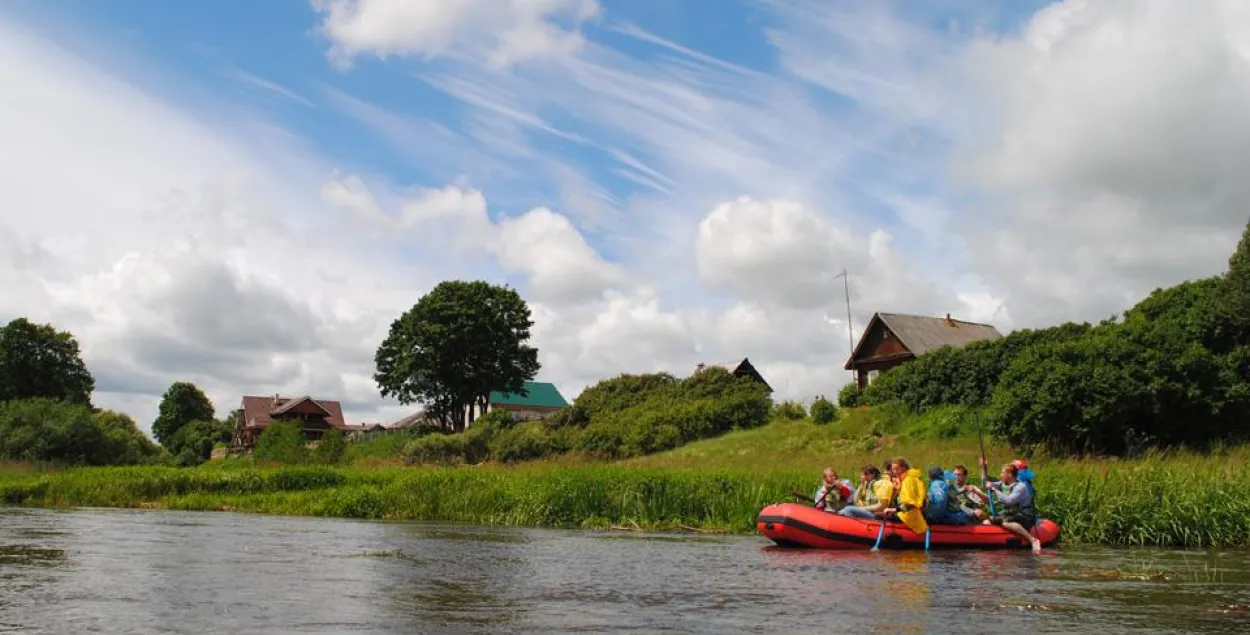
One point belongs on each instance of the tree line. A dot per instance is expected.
(46, 414)
(1173, 370)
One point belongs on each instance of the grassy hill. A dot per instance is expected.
(942, 436)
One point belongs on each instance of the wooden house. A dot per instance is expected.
(891, 339)
(315, 416)
(741, 368)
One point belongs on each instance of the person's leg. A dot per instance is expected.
(961, 518)
(857, 512)
(1019, 530)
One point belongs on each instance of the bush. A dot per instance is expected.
(960, 376)
(283, 442)
(331, 448)
(850, 395)
(193, 443)
(790, 411)
(523, 442)
(625, 416)
(824, 412)
(44, 429)
(1173, 372)
(710, 402)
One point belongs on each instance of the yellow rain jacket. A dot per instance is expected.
(911, 495)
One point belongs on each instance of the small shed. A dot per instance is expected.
(741, 368)
(891, 339)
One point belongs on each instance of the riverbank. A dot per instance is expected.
(1172, 499)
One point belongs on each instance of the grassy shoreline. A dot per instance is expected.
(1174, 499)
(1180, 499)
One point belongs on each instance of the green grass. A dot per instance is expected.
(1165, 499)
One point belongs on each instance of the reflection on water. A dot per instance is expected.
(120, 571)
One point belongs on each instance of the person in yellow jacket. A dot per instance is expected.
(911, 496)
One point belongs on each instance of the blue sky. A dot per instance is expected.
(268, 57)
(665, 181)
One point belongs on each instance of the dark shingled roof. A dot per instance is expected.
(922, 334)
(258, 412)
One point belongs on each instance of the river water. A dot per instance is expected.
(149, 571)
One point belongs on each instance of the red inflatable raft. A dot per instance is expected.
(794, 525)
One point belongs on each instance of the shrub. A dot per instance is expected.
(790, 411)
(523, 442)
(331, 447)
(850, 395)
(44, 429)
(283, 442)
(193, 443)
(447, 449)
(823, 411)
(960, 376)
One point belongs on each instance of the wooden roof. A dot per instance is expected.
(260, 411)
(921, 333)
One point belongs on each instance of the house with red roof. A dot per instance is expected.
(315, 416)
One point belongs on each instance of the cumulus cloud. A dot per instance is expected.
(502, 32)
(781, 253)
(169, 252)
(1098, 144)
(1108, 142)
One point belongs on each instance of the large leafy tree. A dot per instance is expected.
(1238, 278)
(459, 342)
(36, 360)
(182, 404)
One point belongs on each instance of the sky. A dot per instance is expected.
(245, 195)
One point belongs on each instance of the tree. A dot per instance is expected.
(183, 403)
(458, 343)
(1238, 279)
(36, 360)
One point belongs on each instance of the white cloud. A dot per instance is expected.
(1100, 144)
(784, 254)
(166, 248)
(563, 269)
(1107, 144)
(502, 32)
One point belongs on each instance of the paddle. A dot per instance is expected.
(800, 495)
(879, 535)
(985, 476)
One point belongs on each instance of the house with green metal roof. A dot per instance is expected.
(537, 399)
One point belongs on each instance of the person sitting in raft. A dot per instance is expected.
(889, 472)
(871, 497)
(1015, 512)
(911, 497)
(970, 501)
(833, 494)
(942, 506)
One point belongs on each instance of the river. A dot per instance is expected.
(151, 571)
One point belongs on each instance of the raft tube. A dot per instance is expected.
(795, 525)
